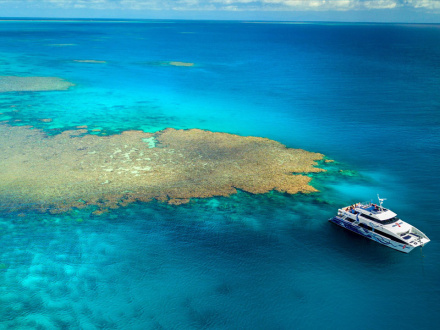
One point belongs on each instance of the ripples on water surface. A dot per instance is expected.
(365, 95)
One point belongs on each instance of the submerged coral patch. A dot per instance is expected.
(177, 63)
(62, 45)
(172, 63)
(32, 84)
(90, 61)
(76, 169)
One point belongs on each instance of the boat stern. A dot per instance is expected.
(422, 239)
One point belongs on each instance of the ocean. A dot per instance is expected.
(365, 95)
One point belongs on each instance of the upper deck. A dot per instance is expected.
(380, 213)
(371, 211)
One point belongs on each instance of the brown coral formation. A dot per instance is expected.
(76, 169)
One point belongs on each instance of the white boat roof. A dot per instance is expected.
(383, 215)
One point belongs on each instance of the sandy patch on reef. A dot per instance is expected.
(32, 84)
(76, 169)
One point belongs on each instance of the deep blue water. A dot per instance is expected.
(365, 95)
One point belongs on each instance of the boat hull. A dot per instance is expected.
(405, 248)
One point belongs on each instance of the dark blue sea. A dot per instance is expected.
(365, 95)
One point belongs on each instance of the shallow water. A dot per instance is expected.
(364, 95)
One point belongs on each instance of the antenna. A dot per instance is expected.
(381, 201)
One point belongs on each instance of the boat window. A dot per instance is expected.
(391, 220)
(363, 225)
(369, 218)
(382, 222)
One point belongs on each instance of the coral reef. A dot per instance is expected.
(32, 84)
(77, 169)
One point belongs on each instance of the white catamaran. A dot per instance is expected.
(381, 225)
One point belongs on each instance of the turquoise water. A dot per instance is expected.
(365, 95)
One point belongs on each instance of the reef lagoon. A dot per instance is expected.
(180, 174)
